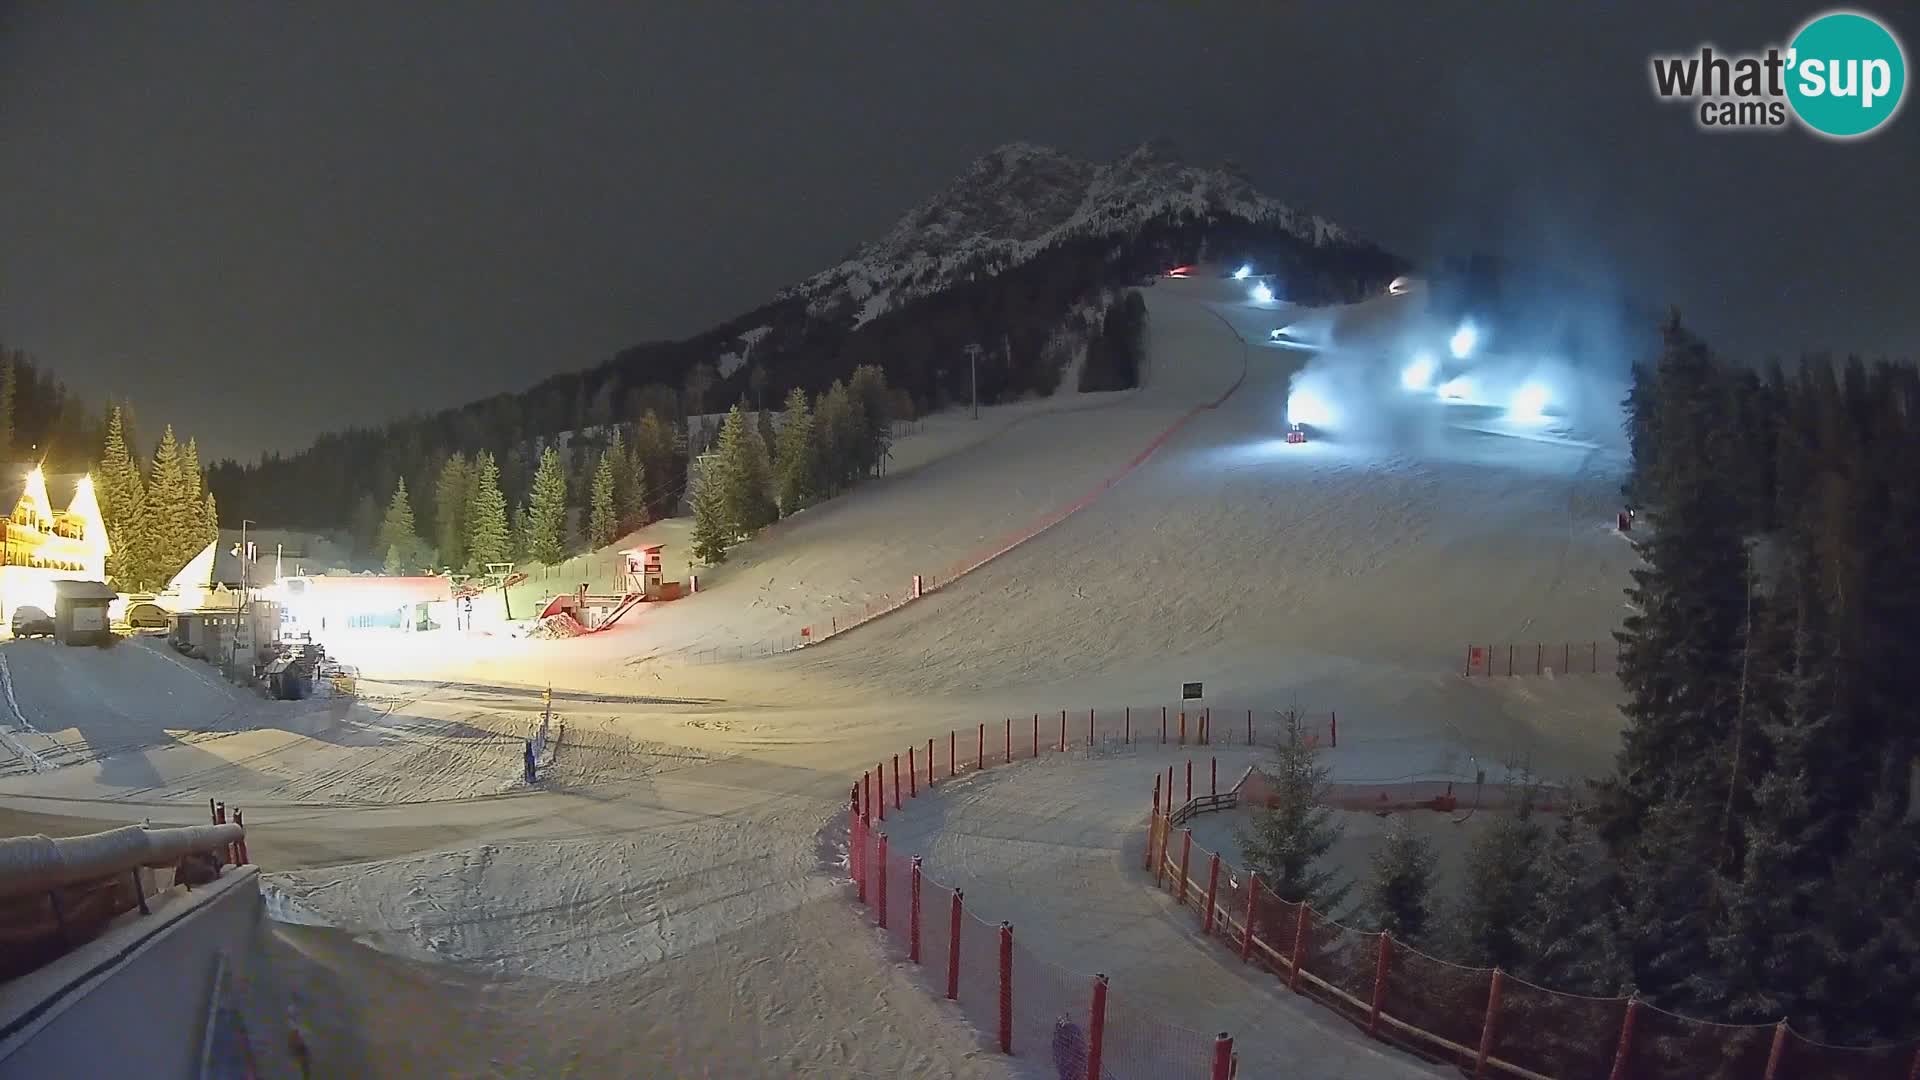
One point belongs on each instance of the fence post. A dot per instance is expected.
(857, 858)
(1539, 656)
(1777, 1054)
(1165, 825)
(1624, 1052)
(1379, 983)
(1490, 648)
(1126, 729)
(1152, 819)
(1594, 647)
(1006, 988)
(1189, 779)
(953, 949)
(1063, 731)
(1213, 782)
(1249, 727)
(881, 893)
(1222, 1057)
(1169, 789)
(980, 748)
(896, 781)
(913, 776)
(1186, 854)
(1299, 945)
(880, 787)
(1183, 727)
(953, 758)
(913, 913)
(1333, 728)
(1009, 740)
(1213, 886)
(1509, 659)
(1488, 1027)
(1090, 729)
(1469, 661)
(1163, 725)
(1253, 912)
(1096, 1026)
(1566, 654)
(1036, 735)
(929, 764)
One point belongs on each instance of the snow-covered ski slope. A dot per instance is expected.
(668, 870)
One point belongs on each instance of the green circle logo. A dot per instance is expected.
(1847, 74)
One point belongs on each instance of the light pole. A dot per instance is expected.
(973, 376)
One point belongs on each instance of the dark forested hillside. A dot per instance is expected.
(1029, 287)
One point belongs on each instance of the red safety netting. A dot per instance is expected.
(1558, 1035)
(1804, 1059)
(1436, 997)
(1342, 957)
(1670, 1047)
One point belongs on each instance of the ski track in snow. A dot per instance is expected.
(679, 854)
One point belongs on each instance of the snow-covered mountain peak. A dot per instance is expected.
(1020, 198)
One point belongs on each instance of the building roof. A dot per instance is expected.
(71, 589)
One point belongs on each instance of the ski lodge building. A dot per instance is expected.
(43, 544)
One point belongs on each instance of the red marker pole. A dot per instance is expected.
(1153, 821)
(980, 748)
(1213, 888)
(1222, 1057)
(913, 776)
(1096, 1025)
(896, 781)
(882, 861)
(1006, 988)
(913, 915)
(1253, 914)
(1163, 725)
(929, 764)
(953, 759)
(953, 949)
(880, 784)
(1213, 784)
(1036, 734)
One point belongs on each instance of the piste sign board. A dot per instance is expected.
(1190, 691)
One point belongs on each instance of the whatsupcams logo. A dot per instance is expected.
(1842, 76)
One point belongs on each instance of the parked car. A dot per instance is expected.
(147, 616)
(29, 621)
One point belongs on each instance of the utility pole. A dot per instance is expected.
(973, 376)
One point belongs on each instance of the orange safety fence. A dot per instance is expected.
(1488, 1022)
(1516, 658)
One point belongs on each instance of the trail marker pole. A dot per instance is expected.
(953, 949)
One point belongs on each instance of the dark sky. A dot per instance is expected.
(263, 220)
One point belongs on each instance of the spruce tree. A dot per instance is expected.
(740, 469)
(631, 491)
(795, 454)
(837, 433)
(1874, 985)
(1681, 648)
(172, 509)
(665, 471)
(626, 510)
(121, 492)
(210, 521)
(1285, 840)
(712, 533)
(546, 531)
(398, 538)
(451, 493)
(195, 495)
(1399, 886)
(874, 421)
(603, 521)
(1500, 884)
(487, 538)
(1568, 938)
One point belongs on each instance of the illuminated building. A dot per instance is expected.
(42, 545)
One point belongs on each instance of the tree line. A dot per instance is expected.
(760, 471)
(1755, 854)
(1027, 322)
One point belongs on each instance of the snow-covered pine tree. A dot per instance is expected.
(795, 454)
(546, 510)
(1285, 840)
(742, 475)
(488, 540)
(121, 492)
(195, 484)
(398, 538)
(603, 520)
(868, 391)
(836, 430)
(1398, 892)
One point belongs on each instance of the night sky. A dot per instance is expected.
(262, 222)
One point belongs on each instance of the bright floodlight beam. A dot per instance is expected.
(1242, 273)
(1307, 407)
(1262, 294)
(1463, 340)
(1418, 375)
(1529, 403)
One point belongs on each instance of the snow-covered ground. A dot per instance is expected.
(674, 861)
